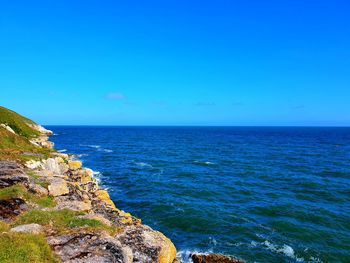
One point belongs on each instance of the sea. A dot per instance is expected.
(262, 194)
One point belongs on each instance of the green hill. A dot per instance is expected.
(17, 146)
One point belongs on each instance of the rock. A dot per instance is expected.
(90, 248)
(38, 189)
(7, 128)
(12, 207)
(40, 128)
(11, 173)
(29, 228)
(58, 187)
(104, 197)
(74, 165)
(79, 206)
(213, 258)
(63, 168)
(45, 173)
(97, 217)
(32, 164)
(147, 245)
(52, 166)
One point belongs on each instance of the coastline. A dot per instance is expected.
(79, 191)
(52, 209)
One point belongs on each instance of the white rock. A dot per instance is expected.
(29, 228)
(7, 128)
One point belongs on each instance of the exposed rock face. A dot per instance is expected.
(11, 173)
(213, 258)
(58, 186)
(79, 206)
(11, 208)
(29, 228)
(7, 128)
(74, 165)
(90, 248)
(52, 165)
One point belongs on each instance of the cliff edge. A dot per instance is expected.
(53, 210)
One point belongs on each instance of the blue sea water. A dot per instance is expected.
(258, 193)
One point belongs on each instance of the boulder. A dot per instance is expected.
(32, 164)
(213, 258)
(38, 189)
(88, 247)
(74, 165)
(29, 228)
(11, 173)
(52, 165)
(58, 187)
(148, 245)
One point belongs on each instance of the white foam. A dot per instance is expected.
(285, 249)
(62, 151)
(203, 162)
(142, 164)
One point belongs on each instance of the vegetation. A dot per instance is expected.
(17, 146)
(24, 247)
(17, 123)
(19, 191)
(37, 179)
(62, 220)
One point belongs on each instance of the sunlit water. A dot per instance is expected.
(261, 194)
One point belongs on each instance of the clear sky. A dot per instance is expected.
(177, 62)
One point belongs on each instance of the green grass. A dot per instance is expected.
(17, 122)
(62, 220)
(24, 247)
(13, 146)
(19, 191)
(37, 179)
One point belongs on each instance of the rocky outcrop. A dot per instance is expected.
(67, 186)
(213, 258)
(11, 173)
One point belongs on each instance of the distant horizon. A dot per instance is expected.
(197, 63)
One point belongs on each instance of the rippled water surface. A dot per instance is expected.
(261, 194)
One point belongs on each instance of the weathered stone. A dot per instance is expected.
(38, 189)
(52, 166)
(63, 168)
(147, 245)
(79, 206)
(90, 248)
(7, 128)
(213, 258)
(11, 173)
(104, 197)
(32, 164)
(74, 165)
(29, 228)
(58, 187)
(45, 173)
(12, 207)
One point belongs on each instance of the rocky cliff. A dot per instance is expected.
(53, 210)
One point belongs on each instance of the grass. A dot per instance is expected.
(13, 146)
(37, 179)
(18, 123)
(62, 220)
(24, 247)
(19, 191)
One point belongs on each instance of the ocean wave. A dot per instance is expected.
(105, 150)
(206, 163)
(91, 146)
(80, 155)
(142, 164)
(285, 249)
(62, 151)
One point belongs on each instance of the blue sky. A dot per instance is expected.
(176, 62)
